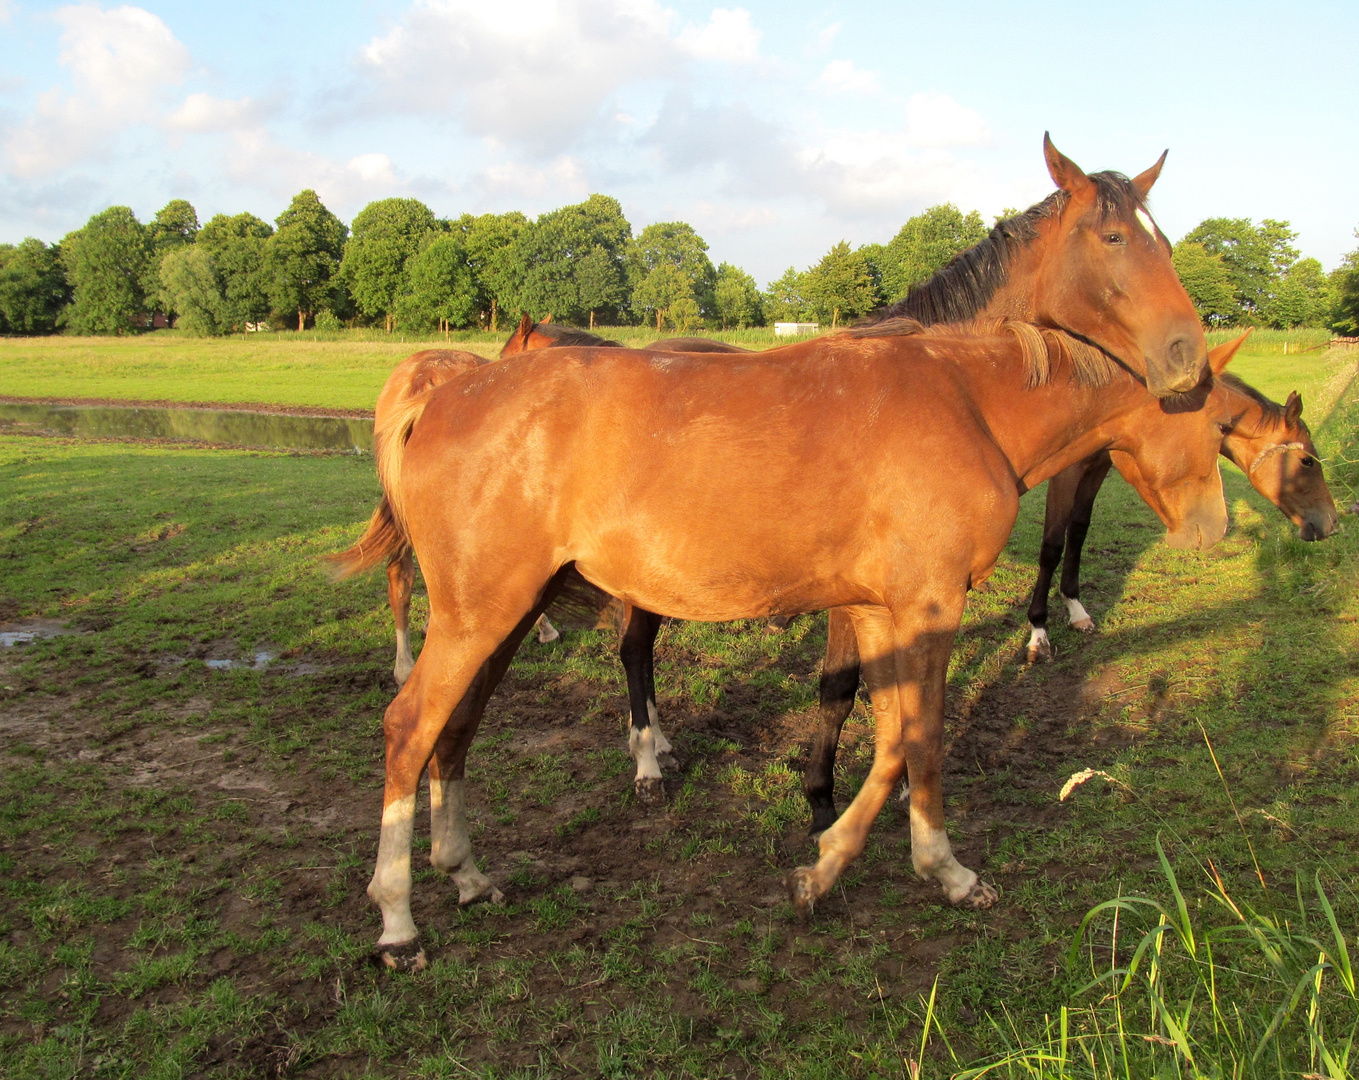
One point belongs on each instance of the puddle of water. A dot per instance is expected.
(258, 662)
(234, 427)
(25, 633)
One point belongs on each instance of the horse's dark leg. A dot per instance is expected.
(645, 741)
(1061, 498)
(1097, 468)
(839, 684)
(400, 582)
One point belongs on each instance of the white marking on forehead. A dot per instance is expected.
(1146, 221)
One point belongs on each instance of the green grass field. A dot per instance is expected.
(346, 370)
(183, 850)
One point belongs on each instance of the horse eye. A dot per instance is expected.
(1113, 238)
(1308, 461)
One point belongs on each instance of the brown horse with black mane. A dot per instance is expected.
(546, 334)
(627, 467)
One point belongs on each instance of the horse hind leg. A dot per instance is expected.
(839, 684)
(647, 745)
(431, 707)
(400, 583)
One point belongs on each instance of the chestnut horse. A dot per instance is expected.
(697, 487)
(1268, 441)
(1073, 261)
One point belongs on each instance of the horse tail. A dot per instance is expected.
(383, 541)
(400, 404)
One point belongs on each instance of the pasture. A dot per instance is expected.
(184, 847)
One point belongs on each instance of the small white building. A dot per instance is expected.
(793, 329)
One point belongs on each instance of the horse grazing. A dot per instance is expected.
(1270, 443)
(697, 487)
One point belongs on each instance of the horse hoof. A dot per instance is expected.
(1085, 626)
(978, 898)
(667, 760)
(1040, 651)
(650, 791)
(802, 892)
(407, 957)
(480, 893)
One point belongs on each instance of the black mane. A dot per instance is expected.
(964, 286)
(1273, 411)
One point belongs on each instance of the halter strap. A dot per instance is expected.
(1273, 448)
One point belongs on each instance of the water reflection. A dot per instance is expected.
(234, 427)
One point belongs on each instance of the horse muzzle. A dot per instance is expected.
(1317, 525)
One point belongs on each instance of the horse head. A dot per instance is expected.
(1105, 274)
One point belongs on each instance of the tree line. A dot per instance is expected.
(398, 265)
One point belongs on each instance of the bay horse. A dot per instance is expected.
(1268, 441)
(695, 487)
(1083, 260)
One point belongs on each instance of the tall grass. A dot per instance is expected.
(1196, 986)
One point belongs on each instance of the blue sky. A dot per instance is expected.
(775, 129)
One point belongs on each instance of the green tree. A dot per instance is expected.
(384, 237)
(439, 288)
(33, 288)
(551, 254)
(107, 263)
(676, 243)
(191, 286)
(925, 244)
(662, 288)
(237, 244)
(303, 257)
(784, 300)
(737, 298)
(1207, 281)
(1344, 282)
(1302, 298)
(1256, 257)
(840, 287)
(491, 244)
(599, 282)
(175, 224)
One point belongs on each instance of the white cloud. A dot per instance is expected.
(934, 119)
(825, 38)
(563, 180)
(255, 158)
(204, 113)
(122, 61)
(730, 35)
(539, 74)
(842, 77)
(7, 10)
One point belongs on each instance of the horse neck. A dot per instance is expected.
(1042, 430)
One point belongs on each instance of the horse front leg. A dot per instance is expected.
(1056, 514)
(1083, 507)
(905, 662)
(400, 583)
(646, 744)
(839, 684)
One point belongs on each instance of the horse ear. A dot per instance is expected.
(1293, 407)
(548, 317)
(1221, 355)
(1142, 181)
(1065, 173)
(525, 326)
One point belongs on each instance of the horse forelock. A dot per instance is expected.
(561, 334)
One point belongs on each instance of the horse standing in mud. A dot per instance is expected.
(625, 466)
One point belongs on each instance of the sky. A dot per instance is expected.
(775, 129)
